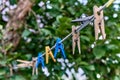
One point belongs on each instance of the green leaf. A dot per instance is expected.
(2, 72)
(71, 10)
(90, 67)
(116, 78)
(112, 47)
(45, 32)
(99, 52)
(26, 33)
(28, 56)
(19, 78)
(3, 63)
(1, 27)
(12, 2)
(0, 36)
(83, 63)
(8, 47)
(34, 77)
(64, 20)
(85, 38)
(1, 55)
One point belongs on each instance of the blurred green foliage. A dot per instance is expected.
(56, 17)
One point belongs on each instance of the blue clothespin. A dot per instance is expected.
(59, 46)
(40, 60)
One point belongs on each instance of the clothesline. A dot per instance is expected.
(86, 21)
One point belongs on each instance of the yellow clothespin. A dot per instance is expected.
(75, 39)
(109, 3)
(49, 53)
(99, 23)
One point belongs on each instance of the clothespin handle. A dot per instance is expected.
(109, 3)
(11, 69)
(40, 60)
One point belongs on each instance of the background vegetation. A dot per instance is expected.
(49, 19)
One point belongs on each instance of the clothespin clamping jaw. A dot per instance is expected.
(40, 60)
(34, 66)
(75, 39)
(99, 23)
(49, 53)
(59, 46)
(11, 69)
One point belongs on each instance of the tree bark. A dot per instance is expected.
(11, 34)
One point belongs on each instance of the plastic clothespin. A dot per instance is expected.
(40, 60)
(82, 19)
(109, 3)
(99, 23)
(75, 39)
(59, 46)
(49, 53)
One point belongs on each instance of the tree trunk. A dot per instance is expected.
(17, 17)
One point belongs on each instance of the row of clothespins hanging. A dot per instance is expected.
(59, 47)
(40, 59)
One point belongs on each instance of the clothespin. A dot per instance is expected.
(24, 63)
(109, 3)
(59, 46)
(34, 69)
(11, 69)
(82, 19)
(49, 53)
(40, 60)
(75, 39)
(99, 23)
